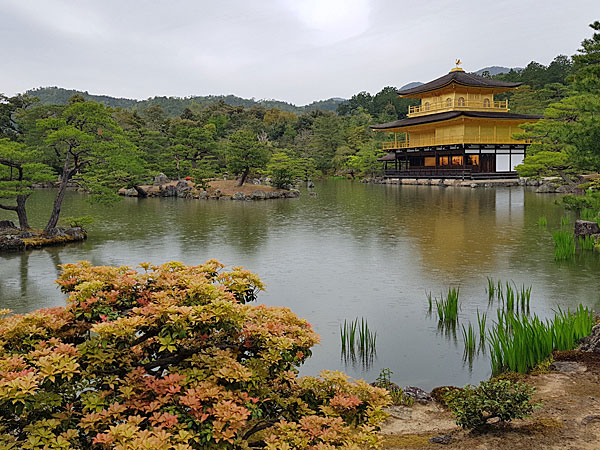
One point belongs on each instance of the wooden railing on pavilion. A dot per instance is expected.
(430, 172)
(457, 105)
(450, 140)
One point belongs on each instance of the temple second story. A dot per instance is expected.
(458, 91)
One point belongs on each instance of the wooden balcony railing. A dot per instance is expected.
(451, 140)
(430, 172)
(457, 105)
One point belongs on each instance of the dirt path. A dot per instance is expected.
(569, 417)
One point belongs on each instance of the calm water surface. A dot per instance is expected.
(354, 250)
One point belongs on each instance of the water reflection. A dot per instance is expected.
(355, 250)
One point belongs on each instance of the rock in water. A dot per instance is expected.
(258, 195)
(586, 228)
(131, 192)
(183, 189)
(168, 191)
(546, 188)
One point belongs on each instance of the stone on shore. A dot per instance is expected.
(591, 343)
(258, 195)
(586, 228)
(21, 241)
(160, 179)
(7, 225)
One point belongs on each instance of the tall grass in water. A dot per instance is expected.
(564, 242)
(564, 221)
(357, 338)
(542, 222)
(510, 298)
(447, 308)
(430, 302)
(491, 289)
(586, 242)
(470, 342)
(523, 298)
(518, 343)
(481, 320)
(513, 298)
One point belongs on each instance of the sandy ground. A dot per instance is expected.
(569, 416)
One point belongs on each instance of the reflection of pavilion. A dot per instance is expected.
(458, 131)
(466, 228)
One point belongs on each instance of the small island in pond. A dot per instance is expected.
(212, 189)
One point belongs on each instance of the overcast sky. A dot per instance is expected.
(292, 50)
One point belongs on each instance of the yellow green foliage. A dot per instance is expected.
(172, 357)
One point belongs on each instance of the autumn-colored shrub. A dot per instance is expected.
(172, 357)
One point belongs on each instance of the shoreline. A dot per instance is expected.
(215, 190)
(545, 185)
(14, 240)
(568, 417)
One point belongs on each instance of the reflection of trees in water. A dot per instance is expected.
(455, 229)
(54, 254)
(24, 273)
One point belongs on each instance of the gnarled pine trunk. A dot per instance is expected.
(244, 176)
(20, 210)
(60, 196)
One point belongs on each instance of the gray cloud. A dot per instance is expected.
(292, 50)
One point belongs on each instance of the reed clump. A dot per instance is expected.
(357, 338)
(518, 343)
(586, 242)
(564, 243)
(447, 308)
(512, 297)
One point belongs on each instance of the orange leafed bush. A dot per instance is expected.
(172, 357)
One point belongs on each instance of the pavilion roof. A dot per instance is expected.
(439, 117)
(459, 77)
(389, 157)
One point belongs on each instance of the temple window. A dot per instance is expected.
(426, 106)
(461, 101)
(486, 102)
(449, 102)
(473, 160)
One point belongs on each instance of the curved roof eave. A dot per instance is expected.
(462, 78)
(440, 117)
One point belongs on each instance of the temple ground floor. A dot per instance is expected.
(462, 161)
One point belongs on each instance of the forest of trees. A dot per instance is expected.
(174, 106)
(102, 146)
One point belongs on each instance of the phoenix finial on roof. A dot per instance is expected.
(458, 62)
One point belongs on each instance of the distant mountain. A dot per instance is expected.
(496, 70)
(174, 106)
(411, 85)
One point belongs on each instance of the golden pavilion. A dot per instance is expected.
(458, 131)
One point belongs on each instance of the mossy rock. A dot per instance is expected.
(443, 394)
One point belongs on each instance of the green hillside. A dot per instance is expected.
(174, 106)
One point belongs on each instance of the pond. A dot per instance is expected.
(354, 250)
